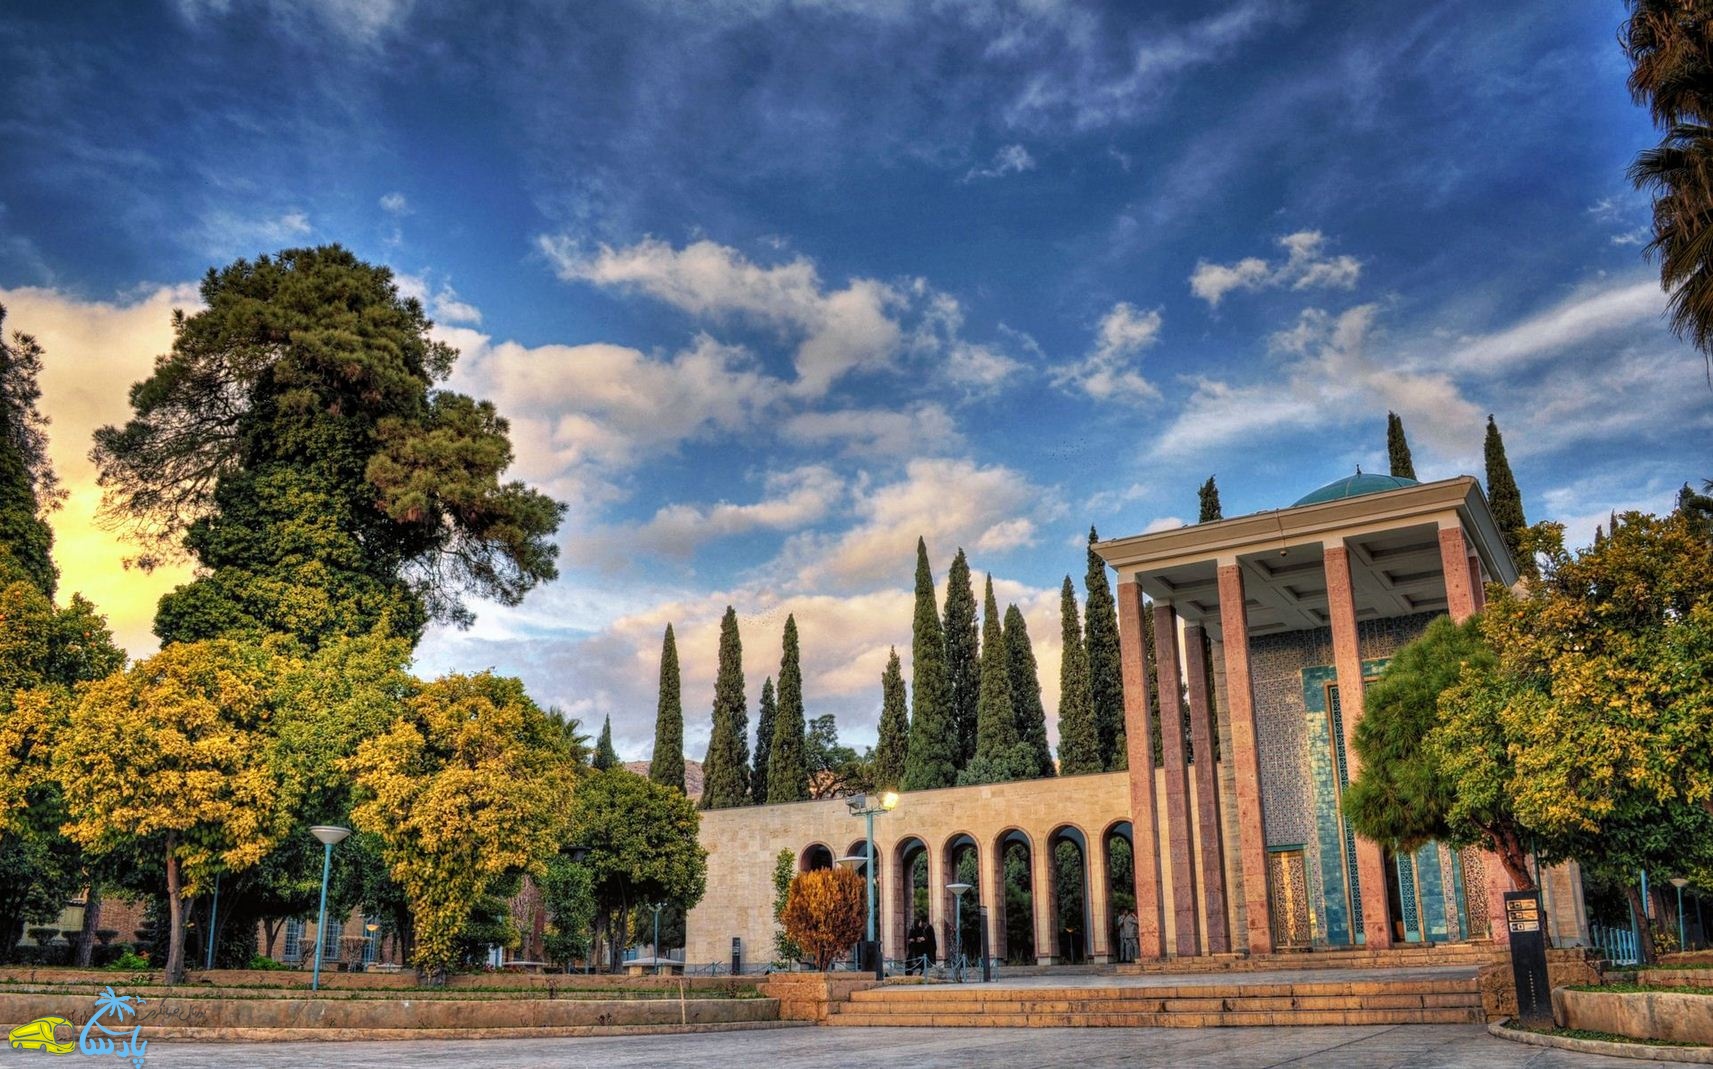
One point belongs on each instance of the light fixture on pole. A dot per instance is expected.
(329, 834)
(863, 806)
(958, 891)
(374, 952)
(213, 914)
(1682, 932)
(657, 907)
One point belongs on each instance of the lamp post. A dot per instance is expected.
(374, 952)
(329, 834)
(958, 890)
(1682, 932)
(657, 907)
(862, 806)
(214, 913)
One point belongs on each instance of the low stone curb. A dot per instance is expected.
(1642, 1051)
(356, 1035)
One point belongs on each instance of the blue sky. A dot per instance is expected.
(770, 287)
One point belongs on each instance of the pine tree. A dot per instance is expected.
(1079, 738)
(1105, 680)
(894, 744)
(1505, 499)
(666, 767)
(28, 488)
(963, 660)
(996, 728)
(1026, 691)
(933, 755)
(787, 767)
(1398, 448)
(767, 713)
(725, 773)
(605, 756)
(1210, 510)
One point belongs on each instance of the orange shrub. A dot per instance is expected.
(825, 913)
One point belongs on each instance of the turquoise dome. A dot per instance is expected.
(1354, 486)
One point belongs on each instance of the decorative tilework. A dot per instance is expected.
(1407, 898)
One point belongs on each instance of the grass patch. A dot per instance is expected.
(1643, 989)
(1602, 1037)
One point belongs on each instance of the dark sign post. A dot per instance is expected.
(1528, 956)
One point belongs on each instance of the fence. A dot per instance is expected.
(1617, 944)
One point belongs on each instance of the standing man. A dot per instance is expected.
(1129, 938)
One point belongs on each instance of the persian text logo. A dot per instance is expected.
(104, 1026)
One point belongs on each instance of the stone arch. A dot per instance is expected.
(1068, 847)
(1117, 882)
(1014, 929)
(907, 891)
(961, 858)
(815, 856)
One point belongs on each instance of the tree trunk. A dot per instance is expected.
(91, 921)
(1513, 857)
(270, 932)
(175, 909)
(1644, 930)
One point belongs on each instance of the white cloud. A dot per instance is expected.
(1305, 266)
(1165, 523)
(1010, 159)
(794, 500)
(1108, 373)
(839, 330)
(225, 233)
(1590, 313)
(362, 22)
(916, 431)
(395, 204)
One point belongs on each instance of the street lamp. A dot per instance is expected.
(328, 834)
(1682, 932)
(374, 952)
(862, 806)
(657, 907)
(958, 891)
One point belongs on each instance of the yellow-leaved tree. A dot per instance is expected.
(470, 785)
(175, 755)
(824, 913)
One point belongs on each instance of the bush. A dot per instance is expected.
(129, 961)
(263, 963)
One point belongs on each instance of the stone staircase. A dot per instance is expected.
(1473, 955)
(1443, 999)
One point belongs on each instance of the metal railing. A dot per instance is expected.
(1617, 944)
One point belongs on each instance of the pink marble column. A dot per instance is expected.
(1202, 734)
(1245, 758)
(1454, 564)
(1347, 658)
(1478, 589)
(1139, 753)
(1187, 941)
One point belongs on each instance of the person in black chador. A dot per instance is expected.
(921, 944)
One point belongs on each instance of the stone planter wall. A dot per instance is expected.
(808, 996)
(1564, 968)
(1655, 1015)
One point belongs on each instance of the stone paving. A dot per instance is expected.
(1439, 1046)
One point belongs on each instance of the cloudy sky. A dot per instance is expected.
(769, 288)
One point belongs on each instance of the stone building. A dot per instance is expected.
(1268, 628)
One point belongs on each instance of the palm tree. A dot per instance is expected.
(1670, 47)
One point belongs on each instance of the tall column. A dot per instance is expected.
(1044, 897)
(1478, 589)
(993, 897)
(1454, 563)
(1100, 949)
(1187, 941)
(1139, 752)
(939, 909)
(1240, 699)
(892, 902)
(1347, 658)
(1202, 732)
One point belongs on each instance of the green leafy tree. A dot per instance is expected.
(28, 488)
(1506, 500)
(605, 756)
(667, 764)
(835, 770)
(894, 743)
(1079, 738)
(1209, 502)
(295, 444)
(725, 773)
(1666, 42)
(787, 774)
(963, 658)
(642, 844)
(465, 791)
(1398, 448)
(785, 951)
(1026, 691)
(175, 753)
(1105, 680)
(568, 894)
(767, 714)
(934, 754)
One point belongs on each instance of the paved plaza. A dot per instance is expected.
(1446, 1046)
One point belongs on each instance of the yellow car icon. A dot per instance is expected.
(40, 1034)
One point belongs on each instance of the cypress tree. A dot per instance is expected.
(28, 488)
(766, 714)
(1105, 680)
(1210, 510)
(963, 661)
(1398, 448)
(1026, 691)
(932, 759)
(996, 732)
(725, 774)
(1505, 499)
(605, 756)
(894, 744)
(787, 763)
(1079, 739)
(666, 767)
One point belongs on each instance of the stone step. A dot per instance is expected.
(959, 994)
(1185, 1019)
(1266, 1004)
(1344, 958)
